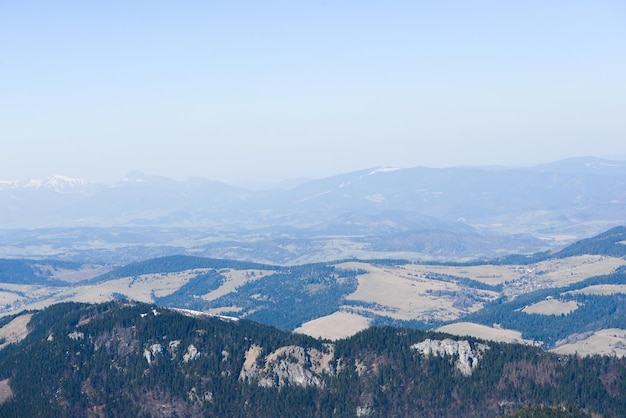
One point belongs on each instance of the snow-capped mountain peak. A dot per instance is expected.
(57, 183)
(63, 184)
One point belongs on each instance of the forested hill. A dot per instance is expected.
(177, 263)
(132, 359)
(610, 243)
(33, 271)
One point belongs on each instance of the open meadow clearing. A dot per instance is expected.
(335, 326)
(484, 332)
(551, 307)
(400, 293)
(607, 341)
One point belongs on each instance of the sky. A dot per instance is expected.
(263, 91)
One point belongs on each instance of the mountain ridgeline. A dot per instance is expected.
(611, 243)
(132, 359)
(445, 214)
(176, 263)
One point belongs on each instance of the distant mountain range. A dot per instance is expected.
(59, 184)
(458, 212)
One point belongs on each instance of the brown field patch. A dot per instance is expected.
(610, 342)
(486, 333)
(15, 331)
(334, 326)
(400, 293)
(8, 298)
(5, 391)
(562, 272)
(551, 307)
(141, 288)
(601, 289)
(488, 274)
(235, 279)
(19, 297)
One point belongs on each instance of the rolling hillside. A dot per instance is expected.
(578, 295)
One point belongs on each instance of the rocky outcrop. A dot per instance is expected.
(76, 336)
(172, 347)
(191, 354)
(151, 352)
(467, 357)
(288, 366)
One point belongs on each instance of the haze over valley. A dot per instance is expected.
(451, 214)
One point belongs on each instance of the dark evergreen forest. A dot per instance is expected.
(90, 360)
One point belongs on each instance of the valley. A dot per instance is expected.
(338, 299)
(402, 291)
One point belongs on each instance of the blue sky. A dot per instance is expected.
(269, 90)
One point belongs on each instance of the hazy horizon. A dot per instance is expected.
(266, 92)
(287, 181)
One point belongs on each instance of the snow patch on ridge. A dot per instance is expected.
(384, 170)
(58, 183)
